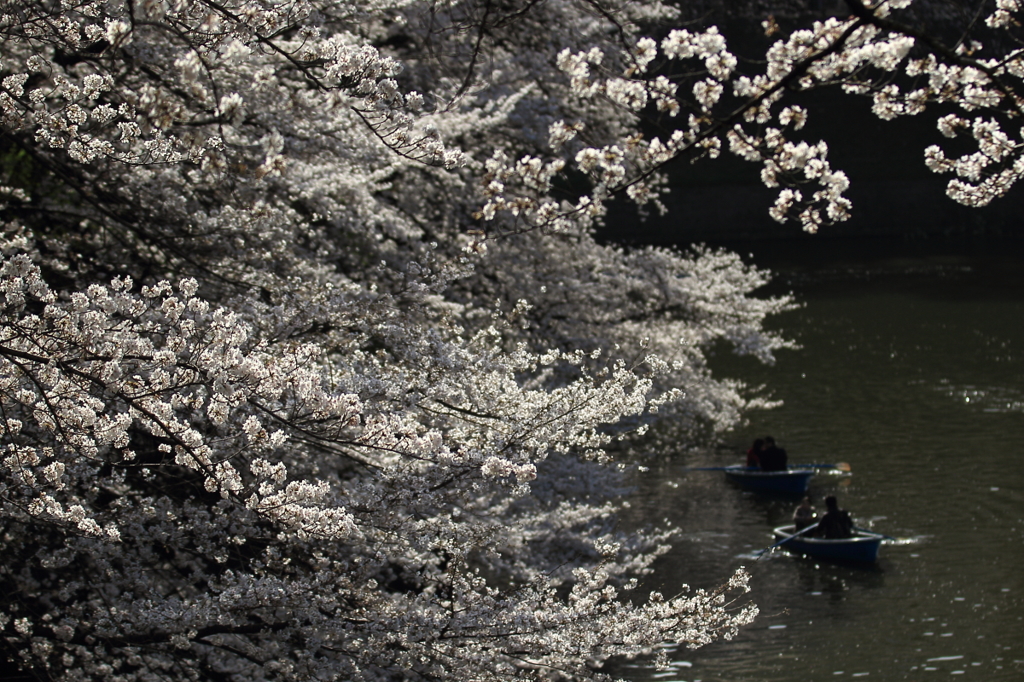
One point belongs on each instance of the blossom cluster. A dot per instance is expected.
(310, 364)
(867, 53)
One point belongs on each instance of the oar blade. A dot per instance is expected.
(843, 467)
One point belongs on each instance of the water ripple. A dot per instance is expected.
(991, 399)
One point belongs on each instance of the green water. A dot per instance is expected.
(912, 371)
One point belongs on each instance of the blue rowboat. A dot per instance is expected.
(861, 548)
(788, 482)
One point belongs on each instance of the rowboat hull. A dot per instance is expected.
(861, 548)
(789, 482)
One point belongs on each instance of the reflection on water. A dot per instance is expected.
(986, 399)
(912, 370)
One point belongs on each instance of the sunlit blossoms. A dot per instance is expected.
(310, 364)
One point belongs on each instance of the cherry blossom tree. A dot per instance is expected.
(310, 365)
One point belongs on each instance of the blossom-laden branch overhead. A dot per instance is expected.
(310, 364)
(693, 77)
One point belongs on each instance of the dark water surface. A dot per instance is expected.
(912, 371)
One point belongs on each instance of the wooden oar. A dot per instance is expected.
(841, 466)
(874, 532)
(787, 539)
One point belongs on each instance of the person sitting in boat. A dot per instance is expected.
(804, 515)
(836, 523)
(754, 454)
(773, 458)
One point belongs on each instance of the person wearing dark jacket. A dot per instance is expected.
(773, 458)
(754, 455)
(836, 523)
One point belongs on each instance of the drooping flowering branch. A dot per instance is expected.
(310, 366)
